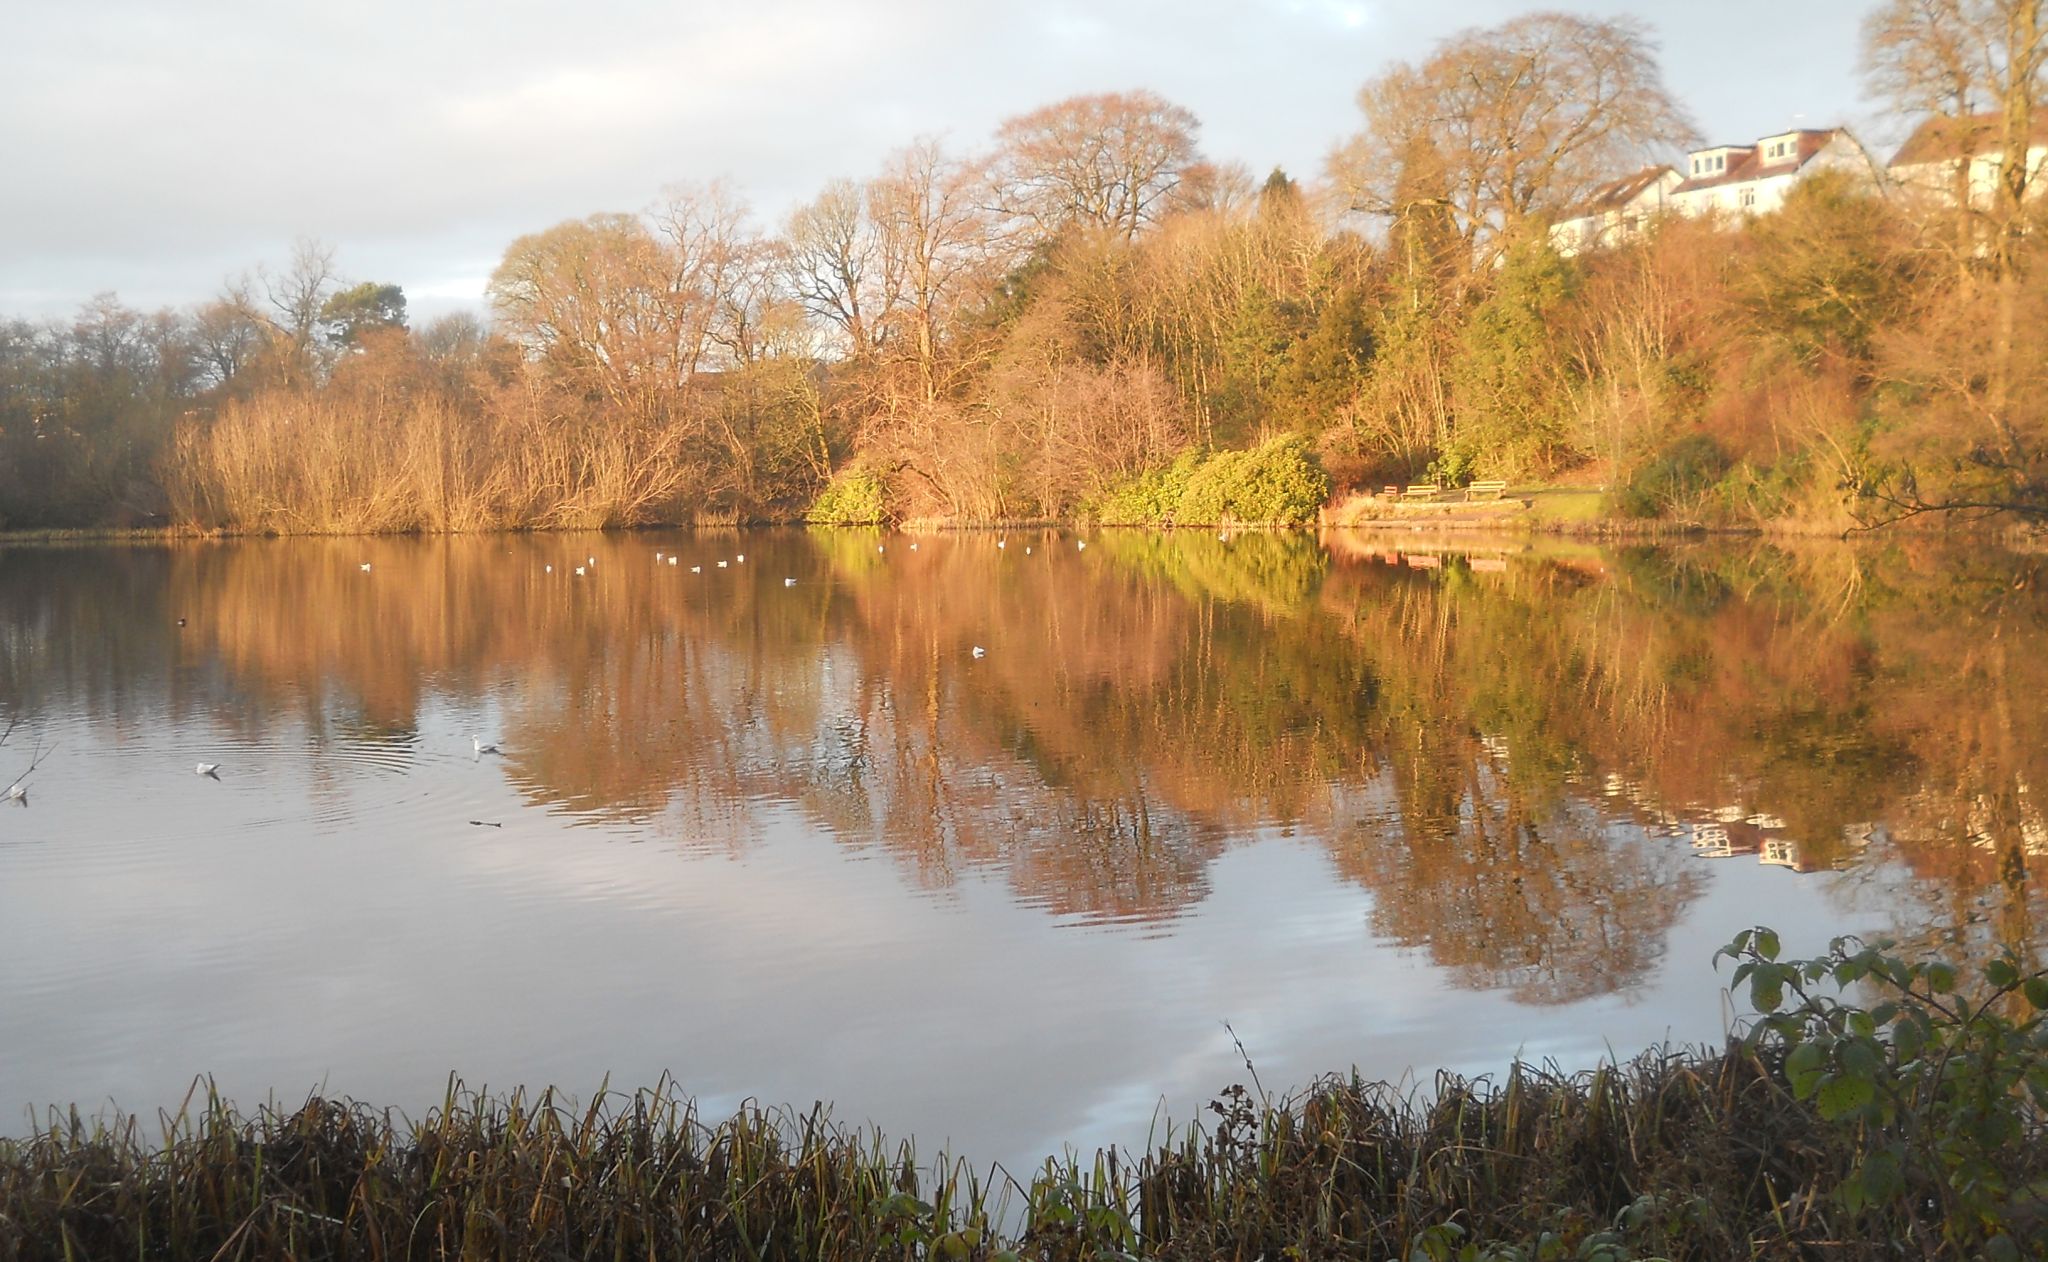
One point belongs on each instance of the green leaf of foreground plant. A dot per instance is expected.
(1839, 1097)
(1765, 993)
(1802, 1069)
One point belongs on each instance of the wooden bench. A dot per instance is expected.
(1486, 490)
(1424, 491)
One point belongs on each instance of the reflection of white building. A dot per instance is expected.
(1944, 154)
(1711, 840)
(1738, 833)
(1736, 180)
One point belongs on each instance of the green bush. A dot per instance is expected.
(856, 497)
(1284, 484)
(1674, 478)
(1278, 483)
(1208, 500)
(1150, 498)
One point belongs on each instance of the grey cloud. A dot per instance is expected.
(162, 147)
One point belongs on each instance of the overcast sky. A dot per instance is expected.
(154, 147)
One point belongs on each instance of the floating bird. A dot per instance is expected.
(590, 560)
(696, 569)
(1001, 544)
(1223, 538)
(721, 565)
(913, 547)
(211, 770)
(1080, 545)
(477, 743)
(17, 792)
(1027, 551)
(741, 558)
(673, 560)
(789, 582)
(579, 571)
(657, 554)
(980, 651)
(364, 567)
(880, 548)
(181, 622)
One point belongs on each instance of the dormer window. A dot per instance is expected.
(1708, 164)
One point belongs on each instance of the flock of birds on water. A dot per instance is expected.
(664, 557)
(17, 792)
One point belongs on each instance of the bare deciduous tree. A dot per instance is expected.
(1973, 67)
(942, 245)
(838, 269)
(1521, 119)
(581, 296)
(297, 296)
(708, 246)
(621, 306)
(1923, 56)
(1114, 160)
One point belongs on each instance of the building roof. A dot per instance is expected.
(1751, 166)
(1945, 137)
(1617, 194)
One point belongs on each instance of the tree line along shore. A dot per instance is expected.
(1089, 318)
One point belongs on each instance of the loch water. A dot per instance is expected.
(1003, 841)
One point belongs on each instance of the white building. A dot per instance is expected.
(1941, 152)
(1616, 210)
(1734, 180)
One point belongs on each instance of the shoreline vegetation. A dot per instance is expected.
(1905, 1126)
(1088, 318)
(1517, 521)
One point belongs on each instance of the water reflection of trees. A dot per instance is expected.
(1498, 752)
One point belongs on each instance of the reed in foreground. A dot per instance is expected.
(1793, 1143)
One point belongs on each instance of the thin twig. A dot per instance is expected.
(37, 754)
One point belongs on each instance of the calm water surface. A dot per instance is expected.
(1371, 803)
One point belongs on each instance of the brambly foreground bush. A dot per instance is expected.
(1907, 1129)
